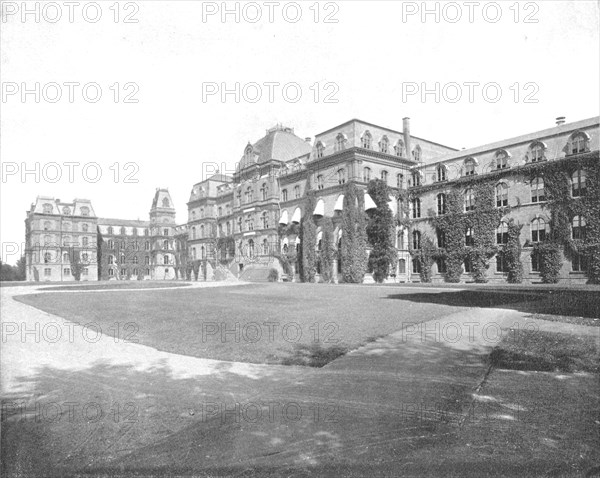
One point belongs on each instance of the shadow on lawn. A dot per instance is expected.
(314, 355)
(576, 303)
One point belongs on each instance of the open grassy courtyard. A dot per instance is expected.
(307, 324)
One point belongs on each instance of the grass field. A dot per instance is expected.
(308, 324)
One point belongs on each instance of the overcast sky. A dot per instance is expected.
(542, 57)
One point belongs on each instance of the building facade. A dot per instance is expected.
(460, 206)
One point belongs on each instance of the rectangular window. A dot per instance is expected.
(67, 271)
(535, 262)
(47, 272)
(468, 266)
(579, 263)
(441, 265)
(501, 263)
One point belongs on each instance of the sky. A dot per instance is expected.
(129, 94)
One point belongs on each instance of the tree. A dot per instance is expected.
(381, 231)
(354, 240)
(308, 239)
(21, 269)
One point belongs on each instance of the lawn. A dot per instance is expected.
(108, 285)
(260, 323)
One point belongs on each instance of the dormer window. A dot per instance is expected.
(320, 147)
(320, 182)
(66, 210)
(501, 159)
(469, 167)
(366, 140)
(578, 143)
(340, 142)
(417, 153)
(341, 174)
(110, 230)
(85, 211)
(47, 208)
(165, 202)
(399, 148)
(384, 144)
(537, 152)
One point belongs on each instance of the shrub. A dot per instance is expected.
(273, 275)
(308, 240)
(354, 241)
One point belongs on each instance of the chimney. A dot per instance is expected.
(307, 139)
(406, 132)
(560, 120)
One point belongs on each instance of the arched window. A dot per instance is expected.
(366, 140)
(265, 247)
(47, 208)
(84, 227)
(122, 258)
(249, 222)
(147, 245)
(84, 241)
(228, 228)
(249, 195)
(85, 211)
(166, 244)
(441, 237)
(384, 176)
(578, 187)
(193, 232)
(47, 225)
(219, 211)
(416, 240)
(537, 152)
(441, 204)
(416, 178)
(340, 142)
(470, 167)
(65, 257)
(384, 144)
(502, 233)
(578, 227)
(111, 259)
(110, 244)
(399, 148)
(501, 195)
(538, 230)
(501, 159)
(416, 208)
(110, 230)
(320, 148)
(401, 244)
(202, 231)
(469, 239)
(578, 143)
(264, 191)
(320, 182)
(239, 221)
(284, 195)
(251, 248)
(147, 259)
(469, 200)
(400, 181)
(341, 174)
(136, 260)
(122, 231)
(265, 220)
(537, 190)
(297, 192)
(201, 213)
(417, 153)
(165, 202)
(366, 175)
(442, 171)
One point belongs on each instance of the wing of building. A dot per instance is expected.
(247, 222)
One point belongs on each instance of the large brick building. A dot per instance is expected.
(246, 219)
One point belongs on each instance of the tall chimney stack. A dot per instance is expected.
(406, 132)
(560, 120)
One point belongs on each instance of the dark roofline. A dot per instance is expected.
(387, 129)
(121, 222)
